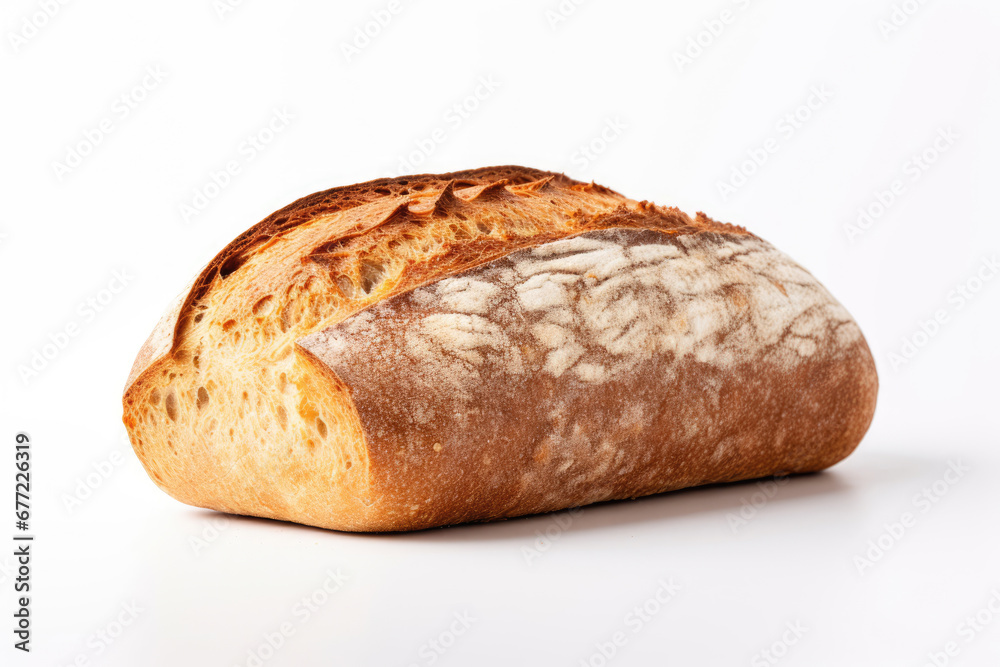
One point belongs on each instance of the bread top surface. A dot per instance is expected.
(330, 254)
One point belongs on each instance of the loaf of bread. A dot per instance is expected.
(431, 350)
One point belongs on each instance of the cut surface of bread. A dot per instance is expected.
(435, 349)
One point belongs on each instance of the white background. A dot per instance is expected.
(681, 131)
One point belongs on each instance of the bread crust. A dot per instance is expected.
(301, 333)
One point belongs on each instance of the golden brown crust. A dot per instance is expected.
(227, 410)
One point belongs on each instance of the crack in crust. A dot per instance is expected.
(460, 195)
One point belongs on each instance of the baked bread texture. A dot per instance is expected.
(431, 350)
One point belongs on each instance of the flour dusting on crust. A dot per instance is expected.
(582, 366)
(598, 305)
